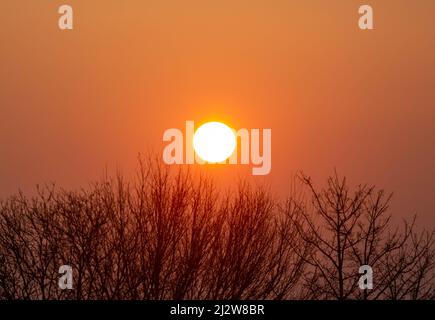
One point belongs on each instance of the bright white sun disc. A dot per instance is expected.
(214, 142)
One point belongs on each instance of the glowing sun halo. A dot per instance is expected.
(214, 142)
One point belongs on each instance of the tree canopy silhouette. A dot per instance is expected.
(174, 235)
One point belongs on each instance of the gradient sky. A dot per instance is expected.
(75, 102)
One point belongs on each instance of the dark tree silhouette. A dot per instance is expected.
(167, 235)
(171, 234)
(349, 229)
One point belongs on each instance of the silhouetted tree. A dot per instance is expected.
(166, 235)
(171, 234)
(348, 229)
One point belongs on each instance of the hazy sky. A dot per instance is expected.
(74, 102)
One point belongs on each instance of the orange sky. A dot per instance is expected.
(74, 102)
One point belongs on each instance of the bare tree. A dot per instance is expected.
(348, 229)
(164, 235)
(172, 234)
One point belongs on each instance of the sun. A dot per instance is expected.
(214, 142)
